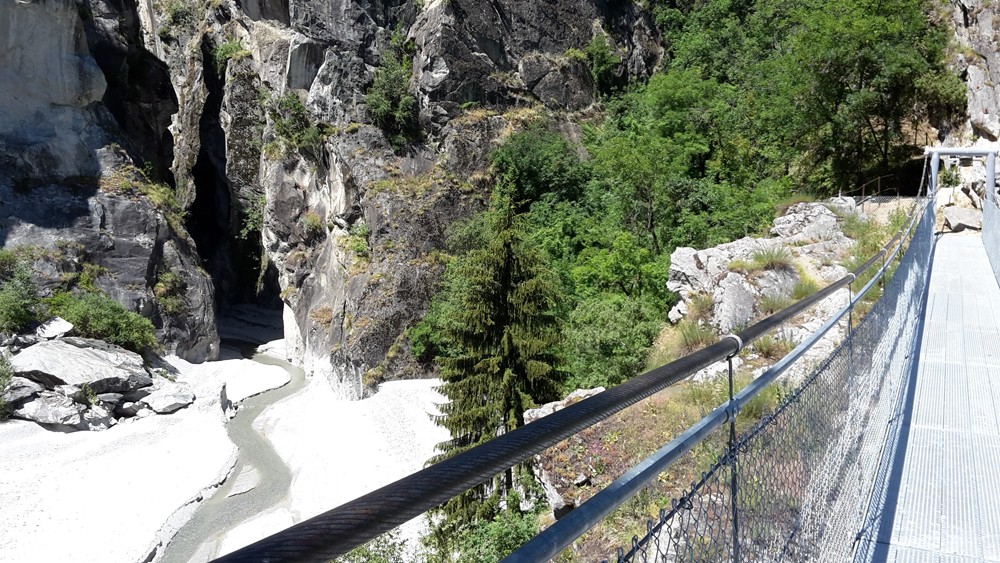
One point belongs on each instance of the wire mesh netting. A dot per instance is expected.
(991, 233)
(805, 483)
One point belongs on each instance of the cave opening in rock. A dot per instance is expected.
(231, 254)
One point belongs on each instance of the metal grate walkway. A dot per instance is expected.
(947, 504)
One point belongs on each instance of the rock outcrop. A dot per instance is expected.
(84, 384)
(343, 231)
(729, 285)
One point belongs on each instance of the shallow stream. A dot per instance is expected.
(199, 539)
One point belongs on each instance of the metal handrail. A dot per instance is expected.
(341, 529)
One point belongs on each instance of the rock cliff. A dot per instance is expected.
(81, 104)
(253, 113)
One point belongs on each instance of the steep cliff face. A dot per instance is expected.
(975, 56)
(80, 104)
(253, 112)
(326, 215)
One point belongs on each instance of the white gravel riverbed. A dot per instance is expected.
(118, 494)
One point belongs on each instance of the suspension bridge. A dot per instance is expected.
(889, 450)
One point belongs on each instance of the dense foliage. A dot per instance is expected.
(19, 302)
(757, 101)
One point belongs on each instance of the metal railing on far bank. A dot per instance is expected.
(802, 484)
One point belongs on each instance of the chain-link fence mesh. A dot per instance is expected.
(808, 477)
(991, 232)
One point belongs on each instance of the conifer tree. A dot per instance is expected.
(502, 332)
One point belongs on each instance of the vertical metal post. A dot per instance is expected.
(733, 485)
(991, 176)
(881, 276)
(935, 164)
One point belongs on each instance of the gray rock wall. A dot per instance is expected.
(82, 99)
(344, 234)
(975, 56)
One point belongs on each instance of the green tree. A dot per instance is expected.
(859, 66)
(607, 338)
(390, 103)
(500, 336)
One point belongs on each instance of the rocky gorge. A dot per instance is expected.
(187, 157)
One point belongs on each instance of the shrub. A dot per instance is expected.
(491, 541)
(95, 315)
(19, 302)
(180, 12)
(229, 50)
(89, 274)
(357, 242)
(390, 103)
(292, 125)
(604, 62)
(607, 339)
(312, 225)
(538, 161)
(169, 291)
(252, 215)
(8, 264)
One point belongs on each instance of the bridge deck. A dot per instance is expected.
(948, 496)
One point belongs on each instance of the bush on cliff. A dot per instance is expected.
(390, 103)
(19, 303)
(95, 315)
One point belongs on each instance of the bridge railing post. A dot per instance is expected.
(733, 456)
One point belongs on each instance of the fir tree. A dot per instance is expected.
(501, 334)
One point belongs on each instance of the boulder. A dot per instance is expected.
(71, 392)
(170, 397)
(54, 328)
(51, 408)
(959, 218)
(809, 223)
(20, 390)
(532, 415)
(734, 303)
(103, 367)
(97, 418)
(128, 409)
(110, 399)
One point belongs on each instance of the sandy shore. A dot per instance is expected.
(119, 494)
(115, 495)
(338, 450)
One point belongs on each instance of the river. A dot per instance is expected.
(199, 539)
